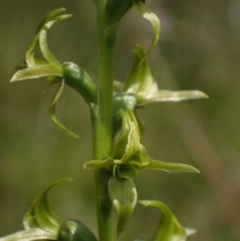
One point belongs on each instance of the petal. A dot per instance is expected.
(135, 153)
(169, 228)
(153, 19)
(96, 164)
(120, 147)
(43, 38)
(123, 195)
(52, 113)
(31, 60)
(171, 167)
(167, 95)
(38, 71)
(30, 235)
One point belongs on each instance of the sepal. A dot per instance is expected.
(37, 71)
(96, 164)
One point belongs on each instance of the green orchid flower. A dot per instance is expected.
(140, 88)
(129, 155)
(69, 73)
(143, 86)
(127, 158)
(41, 223)
(169, 228)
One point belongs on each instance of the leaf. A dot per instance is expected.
(123, 195)
(171, 167)
(38, 71)
(30, 235)
(52, 113)
(153, 19)
(169, 228)
(40, 215)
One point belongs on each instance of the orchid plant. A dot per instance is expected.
(118, 151)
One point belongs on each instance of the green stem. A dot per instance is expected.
(102, 124)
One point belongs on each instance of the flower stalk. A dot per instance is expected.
(102, 123)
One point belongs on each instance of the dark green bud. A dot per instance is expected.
(115, 10)
(78, 79)
(125, 171)
(73, 230)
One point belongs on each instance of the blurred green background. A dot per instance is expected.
(199, 49)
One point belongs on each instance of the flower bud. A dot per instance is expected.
(73, 230)
(79, 80)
